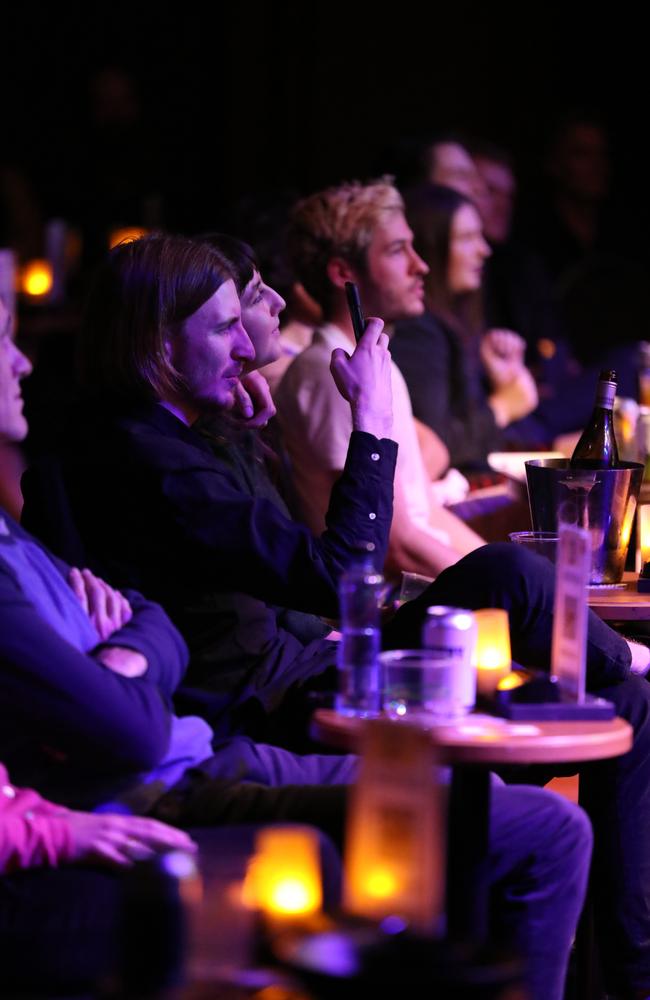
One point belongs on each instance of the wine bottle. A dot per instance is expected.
(597, 447)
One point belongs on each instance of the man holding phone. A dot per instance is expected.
(358, 233)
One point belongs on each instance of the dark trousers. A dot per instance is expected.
(616, 792)
(58, 929)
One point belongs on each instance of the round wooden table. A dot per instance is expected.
(485, 739)
(620, 604)
(471, 746)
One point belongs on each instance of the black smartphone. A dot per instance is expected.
(356, 312)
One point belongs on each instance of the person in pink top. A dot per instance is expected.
(35, 833)
(62, 890)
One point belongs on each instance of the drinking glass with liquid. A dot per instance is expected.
(360, 594)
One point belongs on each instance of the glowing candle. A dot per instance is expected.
(644, 532)
(492, 656)
(36, 279)
(283, 878)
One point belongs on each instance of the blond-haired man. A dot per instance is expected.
(358, 232)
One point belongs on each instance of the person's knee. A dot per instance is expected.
(500, 575)
(632, 701)
(563, 823)
(577, 833)
(503, 560)
(568, 842)
(536, 821)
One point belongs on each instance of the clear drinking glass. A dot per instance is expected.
(418, 683)
(544, 543)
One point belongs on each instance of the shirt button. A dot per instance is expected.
(28, 814)
(372, 515)
(375, 456)
(9, 791)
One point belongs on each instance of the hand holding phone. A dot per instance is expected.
(356, 312)
(364, 377)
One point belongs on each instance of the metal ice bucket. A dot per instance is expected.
(601, 500)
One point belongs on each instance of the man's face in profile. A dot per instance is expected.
(210, 351)
(392, 285)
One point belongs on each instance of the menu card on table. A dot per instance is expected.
(569, 649)
(395, 858)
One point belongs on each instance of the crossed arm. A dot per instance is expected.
(57, 696)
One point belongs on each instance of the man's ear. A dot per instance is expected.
(339, 271)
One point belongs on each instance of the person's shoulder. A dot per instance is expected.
(417, 339)
(307, 378)
(153, 438)
(313, 360)
(415, 326)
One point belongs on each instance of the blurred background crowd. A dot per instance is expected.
(138, 119)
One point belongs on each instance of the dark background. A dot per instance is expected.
(269, 96)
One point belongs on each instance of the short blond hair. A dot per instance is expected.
(337, 222)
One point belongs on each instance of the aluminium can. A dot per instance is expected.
(451, 634)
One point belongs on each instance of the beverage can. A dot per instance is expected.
(451, 634)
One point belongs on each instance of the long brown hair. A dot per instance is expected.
(145, 289)
(430, 211)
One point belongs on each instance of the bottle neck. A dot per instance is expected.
(605, 395)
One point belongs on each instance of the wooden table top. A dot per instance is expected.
(485, 739)
(625, 604)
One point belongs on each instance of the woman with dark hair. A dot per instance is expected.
(467, 386)
(260, 304)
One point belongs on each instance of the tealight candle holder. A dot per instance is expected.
(492, 656)
(284, 877)
(643, 516)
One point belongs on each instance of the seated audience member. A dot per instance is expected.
(588, 235)
(517, 294)
(260, 304)
(59, 921)
(574, 216)
(442, 354)
(517, 291)
(87, 675)
(263, 222)
(259, 457)
(358, 233)
(446, 161)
